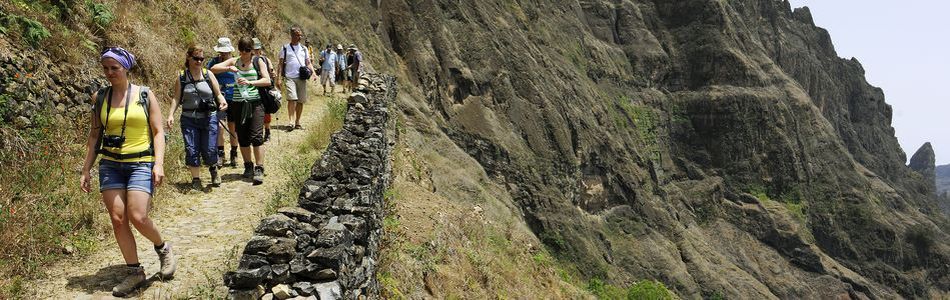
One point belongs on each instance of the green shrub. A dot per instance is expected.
(649, 290)
(32, 31)
(101, 13)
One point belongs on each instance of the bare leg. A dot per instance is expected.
(259, 155)
(299, 113)
(291, 109)
(137, 209)
(195, 171)
(233, 127)
(246, 154)
(115, 203)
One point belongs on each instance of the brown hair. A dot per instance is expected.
(246, 44)
(192, 50)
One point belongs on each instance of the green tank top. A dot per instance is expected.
(247, 93)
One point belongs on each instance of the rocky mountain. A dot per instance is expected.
(943, 178)
(719, 147)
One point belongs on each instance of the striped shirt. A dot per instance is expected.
(246, 93)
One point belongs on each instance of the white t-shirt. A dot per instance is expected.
(296, 57)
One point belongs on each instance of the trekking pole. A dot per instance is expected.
(225, 126)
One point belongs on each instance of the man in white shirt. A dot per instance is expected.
(328, 74)
(293, 57)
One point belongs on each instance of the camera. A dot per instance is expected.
(206, 105)
(113, 141)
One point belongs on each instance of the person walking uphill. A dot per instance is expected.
(227, 80)
(126, 128)
(198, 94)
(328, 61)
(247, 109)
(295, 65)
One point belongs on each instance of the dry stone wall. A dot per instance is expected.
(327, 247)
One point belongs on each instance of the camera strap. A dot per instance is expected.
(128, 98)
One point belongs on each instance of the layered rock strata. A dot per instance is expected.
(328, 246)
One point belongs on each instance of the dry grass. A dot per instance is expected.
(42, 211)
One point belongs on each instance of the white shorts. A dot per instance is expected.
(296, 89)
(328, 76)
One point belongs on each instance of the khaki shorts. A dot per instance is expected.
(296, 89)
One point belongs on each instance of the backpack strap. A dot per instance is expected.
(97, 111)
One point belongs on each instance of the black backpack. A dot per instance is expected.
(97, 109)
(271, 104)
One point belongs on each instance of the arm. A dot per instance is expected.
(218, 96)
(263, 76)
(309, 62)
(158, 138)
(175, 104)
(92, 139)
(224, 66)
(282, 61)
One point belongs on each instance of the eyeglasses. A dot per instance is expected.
(244, 50)
(198, 58)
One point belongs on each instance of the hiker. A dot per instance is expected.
(259, 52)
(295, 65)
(354, 65)
(247, 109)
(341, 66)
(126, 128)
(328, 64)
(227, 81)
(198, 94)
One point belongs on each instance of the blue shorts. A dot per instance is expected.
(129, 176)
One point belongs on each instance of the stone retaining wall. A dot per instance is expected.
(327, 247)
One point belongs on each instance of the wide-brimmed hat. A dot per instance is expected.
(339, 47)
(257, 44)
(352, 47)
(224, 45)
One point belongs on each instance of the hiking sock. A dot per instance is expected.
(135, 265)
(159, 247)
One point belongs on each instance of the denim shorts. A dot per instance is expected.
(129, 176)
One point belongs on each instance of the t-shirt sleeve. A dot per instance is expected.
(280, 55)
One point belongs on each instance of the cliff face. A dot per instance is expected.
(721, 147)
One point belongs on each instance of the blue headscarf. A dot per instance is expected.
(124, 57)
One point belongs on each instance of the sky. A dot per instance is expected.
(903, 46)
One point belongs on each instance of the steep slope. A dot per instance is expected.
(943, 178)
(721, 147)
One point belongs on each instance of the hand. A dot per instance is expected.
(278, 82)
(233, 69)
(85, 181)
(242, 81)
(222, 106)
(169, 122)
(158, 175)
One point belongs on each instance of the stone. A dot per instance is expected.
(249, 261)
(276, 250)
(280, 273)
(246, 278)
(275, 225)
(297, 213)
(332, 257)
(328, 290)
(304, 288)
(246, 294)
(334, 233)
(268, 296)
(281, 291)
(21, 122)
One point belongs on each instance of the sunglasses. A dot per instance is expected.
(198, 58)
(244, 50)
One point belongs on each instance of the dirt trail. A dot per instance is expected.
(208, 230)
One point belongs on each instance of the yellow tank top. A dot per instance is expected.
(136, 128)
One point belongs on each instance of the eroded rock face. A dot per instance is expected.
(721, 147)
(924, 162)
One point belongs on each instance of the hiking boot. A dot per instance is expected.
(233, 161)
(215, 180)
(167, 260)
(258, 175)
(298, 127)
(196, 183)
(134, 278)
(248, 170)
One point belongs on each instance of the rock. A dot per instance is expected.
(328, 290)
(281, 291)
(297, 213)
(268, 296)
(249, 261)
(325, 274)
(281, 273)
(332, 257)
(21, 122)
(246, 278)
(246, 294)
(275, 225)
(68, 249)
(304, 288)
(923, 162)
(334, 233)
(276, 250)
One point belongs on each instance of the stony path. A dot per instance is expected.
(208, 231)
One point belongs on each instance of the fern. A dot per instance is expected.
(101, 13)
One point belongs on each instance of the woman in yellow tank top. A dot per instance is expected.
(128, 131)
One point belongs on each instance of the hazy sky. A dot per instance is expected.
(903, 46)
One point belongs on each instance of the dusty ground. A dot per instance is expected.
(208, 230)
